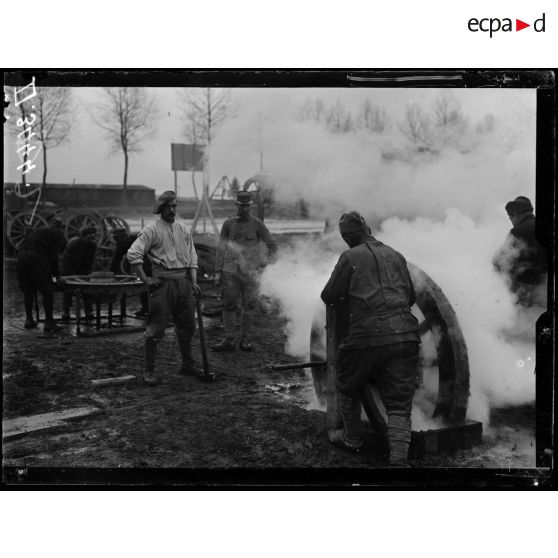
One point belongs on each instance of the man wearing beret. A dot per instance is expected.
(372, 283)
(169, 246)
(521, 257)
(245, 245)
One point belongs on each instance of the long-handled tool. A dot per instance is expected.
(207, 376)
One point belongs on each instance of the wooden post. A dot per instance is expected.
(334, 420)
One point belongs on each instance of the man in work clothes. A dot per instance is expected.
(169, 246)
(244, 248)
(78, 259)
(522, 258)
(37, 264)
(382, 342)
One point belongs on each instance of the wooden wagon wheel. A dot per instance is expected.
(21, 225)
(76, 222)
(106, 247)
(439, 326)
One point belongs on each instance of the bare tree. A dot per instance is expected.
(416, 126)
(373, 118)
(55, 111)
(449, 121)
(313, 109)
(203, 110)
(127, 115)
(339, 120)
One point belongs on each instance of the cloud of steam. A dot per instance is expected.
(443, 210)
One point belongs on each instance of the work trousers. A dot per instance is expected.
(34, 272)
(393, 369)
(173, 298)
(243, 288)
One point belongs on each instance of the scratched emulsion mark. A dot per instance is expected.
(27, 149)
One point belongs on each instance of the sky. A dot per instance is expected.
(86, 157)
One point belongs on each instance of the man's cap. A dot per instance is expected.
(243, 198)
(88, 229)
(352, 222)
(521, 204)
(163, 199)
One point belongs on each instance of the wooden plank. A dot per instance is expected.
(14, 428)
(103, 382)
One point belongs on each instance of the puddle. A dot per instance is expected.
(301, 393)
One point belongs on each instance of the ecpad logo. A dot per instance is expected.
(494, 24)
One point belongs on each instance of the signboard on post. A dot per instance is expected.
(187, 156)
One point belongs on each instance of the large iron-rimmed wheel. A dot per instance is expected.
(106, 246)
(21, 225)
(75, 223)
(441, 336)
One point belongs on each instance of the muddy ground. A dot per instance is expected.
(251, 417)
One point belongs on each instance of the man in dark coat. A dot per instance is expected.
(37, 264)
(78, 259)
(382, 341)
(521, 257)
(245, 247)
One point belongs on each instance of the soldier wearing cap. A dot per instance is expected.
(372, 282)
(245, 246)
(169, 247)
(521, 257)
(37, 264)
(78, 259)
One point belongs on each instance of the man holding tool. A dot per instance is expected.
(382, 341)
(169, 246)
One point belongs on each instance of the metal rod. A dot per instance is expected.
(299, 365)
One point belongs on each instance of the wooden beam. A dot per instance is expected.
(20, 426)
(103, 382)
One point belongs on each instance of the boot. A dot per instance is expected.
(149, 376)
(188, 366)
(350, 438)
(229, 322)
(245, 326)
(399, 434)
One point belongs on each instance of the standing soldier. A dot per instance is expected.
(169, 246)
(37, 264)
(521, 257)
(241, 258)
(78, 259)
(382, 342)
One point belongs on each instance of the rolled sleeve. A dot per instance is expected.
(139, 247)
(193, 255)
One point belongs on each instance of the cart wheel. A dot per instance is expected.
(21, 225)
(76, 222)
(444, 374)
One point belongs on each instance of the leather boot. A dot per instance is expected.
(229, 323)
(149, 376)
(399, 434)
(245, 326)
(352, 429)
(188, 366)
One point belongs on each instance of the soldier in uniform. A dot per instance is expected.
(37, 264)
(382, 341)
(245, 248)
(521, 257)
(78, 259)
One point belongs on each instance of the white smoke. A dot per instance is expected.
(443, 210)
